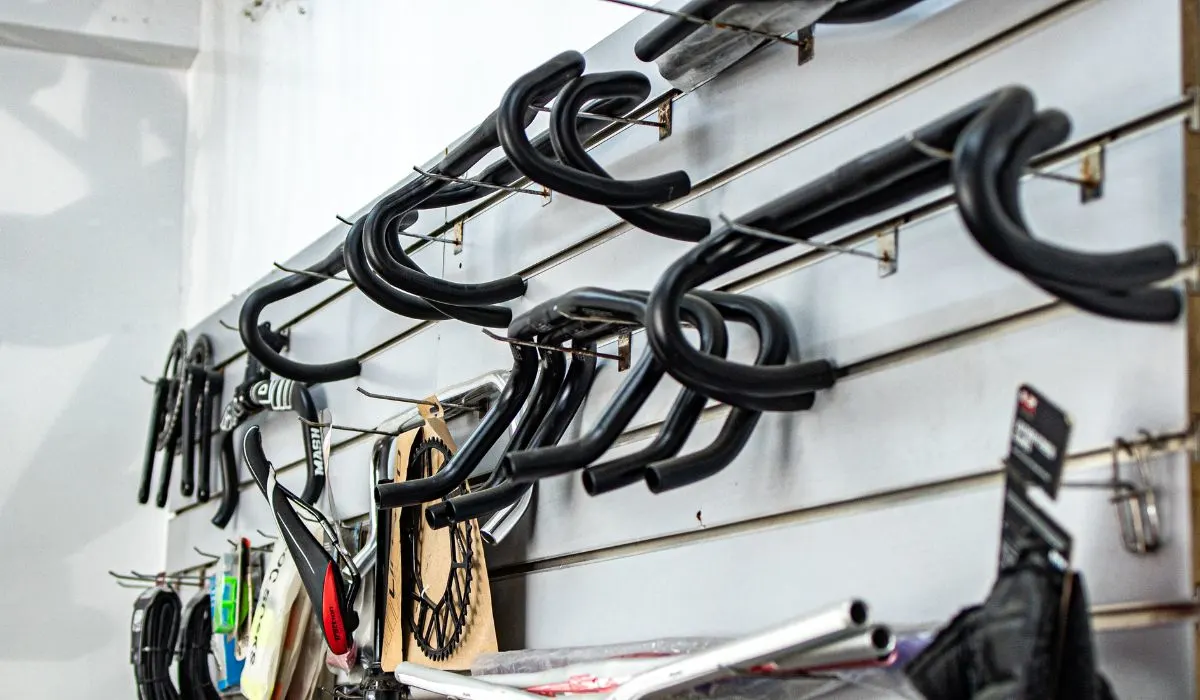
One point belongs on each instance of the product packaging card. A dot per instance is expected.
(1038, 447)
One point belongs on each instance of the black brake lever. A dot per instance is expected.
(194, 380)
(230, 493)
(214, 387)
(157, 417)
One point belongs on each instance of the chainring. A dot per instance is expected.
(437, 626)
(174, 372)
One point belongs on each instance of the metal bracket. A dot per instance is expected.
(459, 235)
(1191, 283)
(665, 112)
(887, 247)
(806, 49)
(1092, 173)
(1193, 115)
(624, 351)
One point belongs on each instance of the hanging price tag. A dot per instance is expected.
(1037, 452)
(1039, 441)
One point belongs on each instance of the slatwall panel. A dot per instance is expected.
(887, 489)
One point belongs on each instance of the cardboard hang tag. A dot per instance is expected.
(479, 634)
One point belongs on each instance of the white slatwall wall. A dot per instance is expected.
(881, 490)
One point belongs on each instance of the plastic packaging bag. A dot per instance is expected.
(535, 660)
(709, 51)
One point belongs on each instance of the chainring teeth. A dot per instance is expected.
(438, 628)
(174, 373)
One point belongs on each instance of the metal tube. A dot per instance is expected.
(502, 522)
(789, 639)
(875, 643)
(454, 685)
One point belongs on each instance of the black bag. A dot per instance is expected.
(1008, 648)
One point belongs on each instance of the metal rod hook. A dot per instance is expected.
(309, 273)
(768, 235)
(540, 346)
(419, 402)
(406, 234)
(606, 118)
(941, 154)
(506, 188)
(345, 428)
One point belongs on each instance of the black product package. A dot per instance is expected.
(1026, 526)
(1037, 451)
(1038, 447)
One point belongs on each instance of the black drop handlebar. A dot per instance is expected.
(537, 87)
(570, 149)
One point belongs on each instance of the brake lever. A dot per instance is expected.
(164, 420)
(157, 416)
(331, 581)
(214, 386)
(194, 380)
(230, 494)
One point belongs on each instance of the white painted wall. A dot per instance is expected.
(315, 108)
(154, 21)
(90, 219)
(152, 32)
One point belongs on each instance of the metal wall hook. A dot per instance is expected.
(267, 535)
(406, 234)
(309, 273)
(1089, 182)
(555, 348)
(831, 247)
(1135, 501)
(172, 576)
(1137, 504)
(174, 579)
(618, 120)
(715, 24)
(418, 402)
(202, 553)
(259, 548)
(148, 380)
(505, 188)
(927, 150)
(228, 327)
(344, 428)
